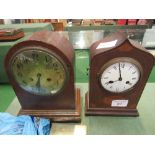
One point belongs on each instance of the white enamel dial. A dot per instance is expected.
(120, 76)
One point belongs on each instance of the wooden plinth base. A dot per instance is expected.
(58, 115)
(107, 111)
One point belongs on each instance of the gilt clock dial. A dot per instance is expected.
(38, 72)
(41, 72)
(120, 76)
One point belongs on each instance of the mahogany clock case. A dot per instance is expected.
(64, 106)
(98, 100)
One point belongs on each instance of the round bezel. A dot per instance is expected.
(44, 51)
(117, 60)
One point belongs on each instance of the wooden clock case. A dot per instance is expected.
(61, 107)
(98, 100)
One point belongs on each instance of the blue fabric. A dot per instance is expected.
(23, 125)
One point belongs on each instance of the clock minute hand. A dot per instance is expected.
(120, 76)
(38, 81)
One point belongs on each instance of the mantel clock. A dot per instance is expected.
(40, 70)
(119, 69)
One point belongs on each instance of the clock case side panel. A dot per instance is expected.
(64, 100)
(98, 100)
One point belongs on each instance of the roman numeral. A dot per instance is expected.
(105, 77)
(55, 65)
(130, 67)
(19, 65)
(14, 60)
(26, 61)
(115, 67)
(134, 72)
(35, 56)
(117, 89)
(134, 78)
(47, 59)
(122, 65)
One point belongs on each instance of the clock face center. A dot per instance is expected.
(120, 76)
(38, 71)
(120, 79)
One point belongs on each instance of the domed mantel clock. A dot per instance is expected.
(119, 69)
(40, 70)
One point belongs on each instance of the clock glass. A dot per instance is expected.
(38, 71)
(120, 76)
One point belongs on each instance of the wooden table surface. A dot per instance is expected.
(105, 125)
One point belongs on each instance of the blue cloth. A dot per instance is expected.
(23, 125)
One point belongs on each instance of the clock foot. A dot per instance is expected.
(107, 111)
(58, 115)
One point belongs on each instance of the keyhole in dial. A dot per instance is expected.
(49, 79)
(127, 82)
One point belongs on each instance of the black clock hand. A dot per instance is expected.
(38, 81)
(120, 76)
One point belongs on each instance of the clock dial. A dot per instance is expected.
(38, 72)
(120, 76)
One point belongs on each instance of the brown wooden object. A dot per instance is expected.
(118, 96)
(36, 68)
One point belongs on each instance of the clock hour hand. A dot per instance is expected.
(38, 81)
(120, 76)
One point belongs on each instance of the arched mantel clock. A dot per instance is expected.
(40, 70)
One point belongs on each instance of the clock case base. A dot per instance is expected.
(108, 111)
(58, 115)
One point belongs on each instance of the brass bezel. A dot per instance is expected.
(48, 52)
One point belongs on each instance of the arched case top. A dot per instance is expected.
(55, 39)
(50, 40)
